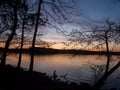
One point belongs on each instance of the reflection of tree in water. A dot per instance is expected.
(97, 70)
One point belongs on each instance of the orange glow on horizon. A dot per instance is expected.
(61, 46)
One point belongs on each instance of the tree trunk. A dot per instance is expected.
(101, 81)
(34, 36)
(21, 47)
(107, 52)
(7, 44)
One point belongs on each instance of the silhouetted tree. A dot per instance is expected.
(10, 13)
(99, 36)
(35, 33)
(49, 12)
(23, 19)
(78, 39)
(106, 35)
(13, 5)
(103, 78)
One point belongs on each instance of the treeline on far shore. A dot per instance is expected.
(37, 50)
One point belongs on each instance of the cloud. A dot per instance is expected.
(53, 38)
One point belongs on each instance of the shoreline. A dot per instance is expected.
(57, 51)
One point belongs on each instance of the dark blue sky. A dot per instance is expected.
(97, 11)
(92, 13)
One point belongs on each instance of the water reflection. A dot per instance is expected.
(77, 67)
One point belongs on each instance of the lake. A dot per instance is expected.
(79, 68)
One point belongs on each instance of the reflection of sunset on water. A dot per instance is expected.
(77, 66)
(61, 45)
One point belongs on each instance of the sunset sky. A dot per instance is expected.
(91, 13)
(88, 14)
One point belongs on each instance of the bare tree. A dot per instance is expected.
(23, 18)
(34, 36)
(105, 36)
(49, 12)
(100, 36)
(12, 5)
(11, 12)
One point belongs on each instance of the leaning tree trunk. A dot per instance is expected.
(102, 80)
(7, 44)
(34, 36)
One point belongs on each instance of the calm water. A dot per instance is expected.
(78, 67)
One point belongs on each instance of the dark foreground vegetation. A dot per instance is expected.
(12, 78)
